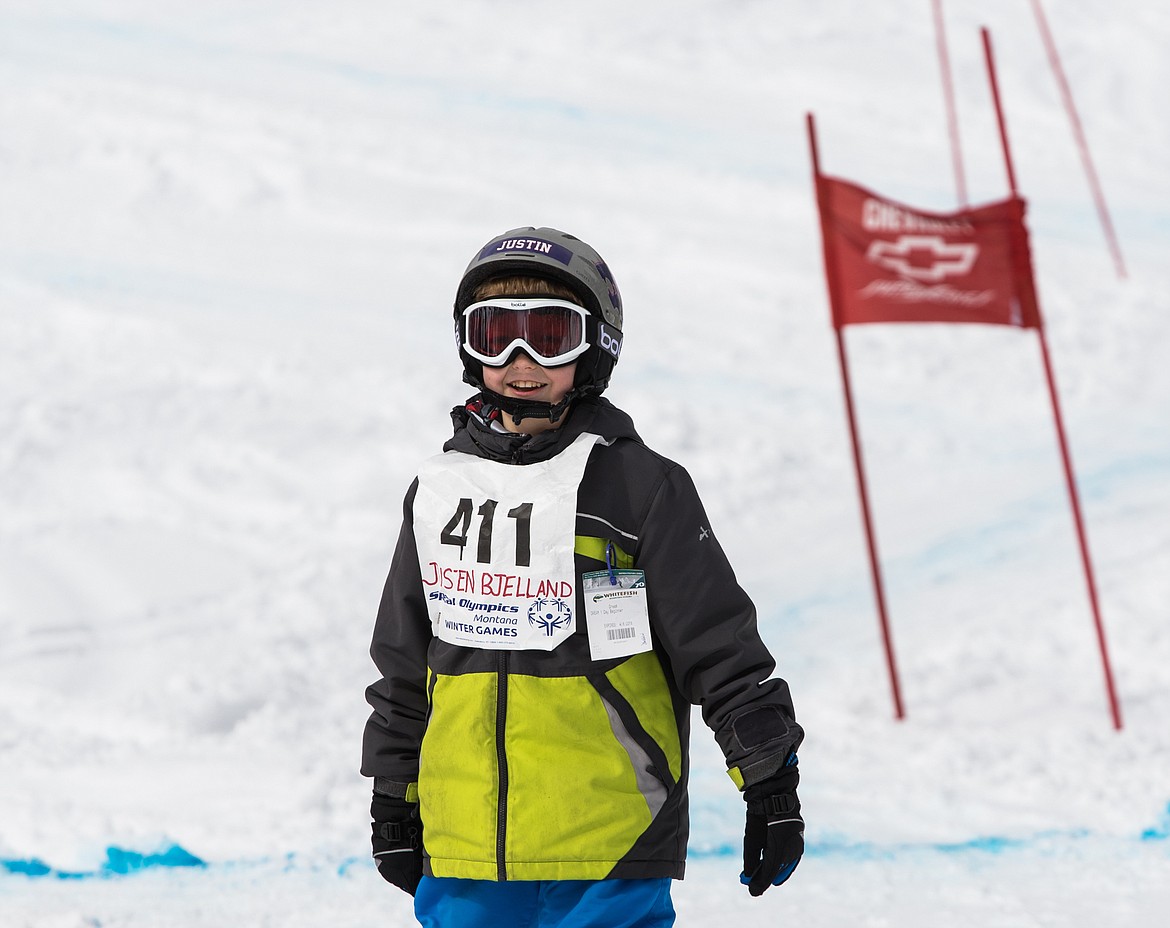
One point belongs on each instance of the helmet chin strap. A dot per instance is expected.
(520, 409)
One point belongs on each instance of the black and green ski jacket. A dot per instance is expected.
(541, 765)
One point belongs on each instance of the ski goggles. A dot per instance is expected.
(551, 332)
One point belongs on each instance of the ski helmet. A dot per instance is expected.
(557, 256)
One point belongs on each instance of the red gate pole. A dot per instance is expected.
(944, 61)
(1079, 135)
(1082, 540)
(1066, 458)
(858, 464)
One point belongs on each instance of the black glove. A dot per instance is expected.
(397, 841)
(773, 840)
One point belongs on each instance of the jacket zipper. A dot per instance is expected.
(502, 765)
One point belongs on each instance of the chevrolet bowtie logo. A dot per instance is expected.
(925, 258)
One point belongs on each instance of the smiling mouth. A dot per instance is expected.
(525, 386)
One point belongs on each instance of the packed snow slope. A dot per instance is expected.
(229, 239)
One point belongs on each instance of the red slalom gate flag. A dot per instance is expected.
(889, 262)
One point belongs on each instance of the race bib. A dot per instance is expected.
(495, 547)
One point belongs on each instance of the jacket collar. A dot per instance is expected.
(593, 414)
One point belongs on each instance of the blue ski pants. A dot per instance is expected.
(452, 903)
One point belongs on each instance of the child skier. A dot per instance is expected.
(555, 605)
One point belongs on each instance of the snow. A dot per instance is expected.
(229, 237)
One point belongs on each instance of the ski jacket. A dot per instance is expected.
(545, 765)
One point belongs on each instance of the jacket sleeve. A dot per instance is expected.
(402, 633)
(705, 624)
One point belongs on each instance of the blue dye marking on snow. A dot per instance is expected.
(1161, 831)
(349, 863)
(989, 844)
(119, 862)
(841, 847)
(983, 845)
(123, 862)
(869, 850)
(32, 867)
(718, 850)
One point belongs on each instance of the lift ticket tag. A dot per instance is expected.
(616, 613)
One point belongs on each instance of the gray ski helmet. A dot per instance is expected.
(558, 256)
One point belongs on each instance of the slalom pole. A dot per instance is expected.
(989, 57)
(858, 464)
(944, 61)
(1066, 457)
(1079, 135)
(1082, 540)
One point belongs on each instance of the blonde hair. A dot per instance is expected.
(523, 286)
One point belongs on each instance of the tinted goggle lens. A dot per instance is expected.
(552, 331)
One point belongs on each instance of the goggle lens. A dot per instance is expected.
(552, 331)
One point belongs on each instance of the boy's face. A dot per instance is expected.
(524, 378)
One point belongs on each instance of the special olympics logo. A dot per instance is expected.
(550, 615)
